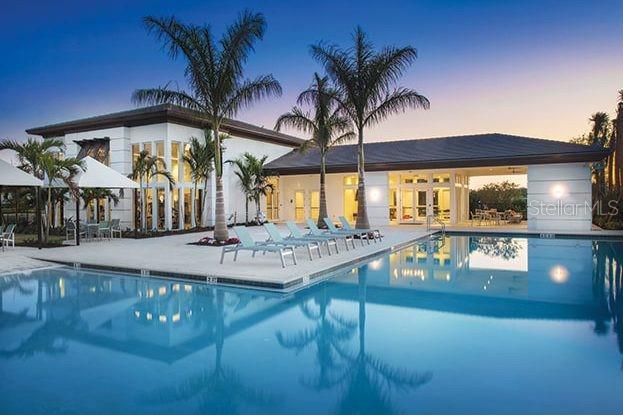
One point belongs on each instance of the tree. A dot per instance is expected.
(58, 169)
(40, 158)
(500, 196)
(200, 159)
(147, 167)
(328, 128)
(215, 75)
(245, 182)
(96, 194)
(253, 180)
(366, 92)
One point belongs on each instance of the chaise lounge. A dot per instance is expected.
(248, 244)
(327, 240)
(276, 238)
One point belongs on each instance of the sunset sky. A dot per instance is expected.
(535, 68)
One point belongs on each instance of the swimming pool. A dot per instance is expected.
(461, 324)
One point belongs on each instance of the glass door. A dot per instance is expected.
(299, 206)
(406, 205)
(350, 204)
(314, 208)
(441, 203)
(422, 204)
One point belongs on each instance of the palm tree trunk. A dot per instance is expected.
(220, 227)
(204, 203)
(322, 209)
(362, 207)
(143, 207)
(246, 210)
(193, 207)
(48, 215)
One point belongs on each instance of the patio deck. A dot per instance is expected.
(173, 257)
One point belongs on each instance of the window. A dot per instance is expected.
(299, 206)
(187, 209)
(187, 172)
(160, 156)
(351, 181)
(135, 153)
(175, 161)
(441, 178)
(175, 209)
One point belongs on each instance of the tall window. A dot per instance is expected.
(175, 161)
(160, 156)
(187, 177)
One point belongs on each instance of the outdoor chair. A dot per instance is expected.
(275, 237)
(104, 230)
(313, 230)
(115, 227)
(8, 235)
(376, 234)
(248, 244)
(327, 240)
(334, 230)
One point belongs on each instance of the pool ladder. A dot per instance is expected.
(429, 222)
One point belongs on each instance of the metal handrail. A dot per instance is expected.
(430, 219)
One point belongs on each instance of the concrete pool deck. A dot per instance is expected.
(173, 257)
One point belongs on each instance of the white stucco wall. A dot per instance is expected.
(121, 140)
(559, 197)
(376, 190)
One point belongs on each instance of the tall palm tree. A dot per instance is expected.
(618, 143)
(367, 94)
(599, 135)
(328, 128)
(215, 76)
(200, 159)
(147, 167)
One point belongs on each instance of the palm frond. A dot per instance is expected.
(263, 86)
(399, 100)
(164, 95)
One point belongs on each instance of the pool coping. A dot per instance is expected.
(286, 287)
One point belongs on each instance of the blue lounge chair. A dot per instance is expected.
(248, 244)
(276, 238)
(326, 239)
(313, 230)
(376, 234)
(334, 230)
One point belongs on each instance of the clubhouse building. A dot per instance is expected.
(406, 181)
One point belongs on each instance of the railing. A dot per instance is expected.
(432, 218)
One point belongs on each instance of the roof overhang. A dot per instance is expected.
(164, 114)
(576, 157)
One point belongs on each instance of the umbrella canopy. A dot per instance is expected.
(96, 174)
(12, 176)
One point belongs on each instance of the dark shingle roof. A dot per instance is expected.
(159, 114)
(444, 152)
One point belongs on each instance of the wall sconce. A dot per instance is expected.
(558, 191)
(375, 194)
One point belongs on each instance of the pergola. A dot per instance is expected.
(13, 177)
(96, 175)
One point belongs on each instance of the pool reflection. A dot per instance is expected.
(364, 342)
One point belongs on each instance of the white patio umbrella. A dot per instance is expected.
(13, 177)
(96, 175)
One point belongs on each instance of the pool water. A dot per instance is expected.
(461, 324)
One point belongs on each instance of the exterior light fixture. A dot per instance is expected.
(558, 191)
(559, 274)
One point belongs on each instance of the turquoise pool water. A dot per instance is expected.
(464, 324)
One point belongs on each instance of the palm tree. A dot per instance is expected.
(365, 82)
(328, 128)
(215, 74)
(200, 159)
(245, 178)
(147, 167)
(38, 158)
(599, 136)
(261, 185)
(96, 194)
(57, 169)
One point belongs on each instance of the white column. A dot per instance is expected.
(377, 197)
(559, 197)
